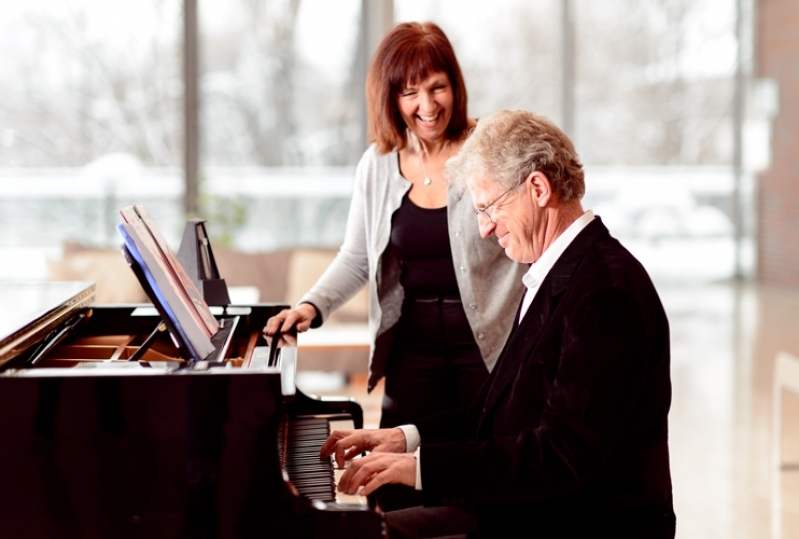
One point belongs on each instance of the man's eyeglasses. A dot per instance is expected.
(483, 212)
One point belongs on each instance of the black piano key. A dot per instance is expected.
(311, 476)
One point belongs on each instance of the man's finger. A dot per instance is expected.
(375, 482)
(358, 473)
(378, 469)
(346, 478)
(363, 473)
(352, 453)
(346, 450)
(329, 446)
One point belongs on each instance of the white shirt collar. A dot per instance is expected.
(541, 267)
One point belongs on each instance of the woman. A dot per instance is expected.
(441, 299)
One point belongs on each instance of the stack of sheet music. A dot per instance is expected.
(170, 288)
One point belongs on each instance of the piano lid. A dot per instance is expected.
(30, 309)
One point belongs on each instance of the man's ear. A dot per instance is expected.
(541, 188)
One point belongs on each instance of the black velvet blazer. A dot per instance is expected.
(568, 436)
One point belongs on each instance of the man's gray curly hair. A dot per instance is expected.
(509, 145)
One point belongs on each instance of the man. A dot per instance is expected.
(568, 437)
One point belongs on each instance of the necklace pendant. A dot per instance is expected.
(427, 181)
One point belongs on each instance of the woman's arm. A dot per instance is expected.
(349, 271)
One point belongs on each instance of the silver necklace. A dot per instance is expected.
(427, 180)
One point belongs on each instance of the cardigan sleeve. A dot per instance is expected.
(349, 271)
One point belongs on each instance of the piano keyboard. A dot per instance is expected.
(314, 478)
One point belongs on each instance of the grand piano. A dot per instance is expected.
(94, 445)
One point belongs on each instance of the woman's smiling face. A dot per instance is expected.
(426, 107)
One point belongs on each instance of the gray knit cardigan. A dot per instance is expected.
(490, 284)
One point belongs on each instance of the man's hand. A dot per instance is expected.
(347, 444)
(378, 469)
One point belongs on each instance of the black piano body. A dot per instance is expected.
(96, 446)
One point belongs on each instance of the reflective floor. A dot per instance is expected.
(724, 342)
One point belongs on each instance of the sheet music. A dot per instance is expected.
(170, 296)
(139, 214)
(146, 242)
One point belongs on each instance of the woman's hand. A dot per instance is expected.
(299, 318)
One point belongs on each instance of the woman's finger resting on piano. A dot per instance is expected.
(299, 318)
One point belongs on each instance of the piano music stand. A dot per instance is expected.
(197, 258)
(148, 342)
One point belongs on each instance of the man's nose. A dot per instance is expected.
(487, 227)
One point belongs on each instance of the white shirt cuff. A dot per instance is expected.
(418, 456)
(412, 442)
(412, 437)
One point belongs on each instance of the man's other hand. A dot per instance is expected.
(376, 470)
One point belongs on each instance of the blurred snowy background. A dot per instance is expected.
(91, 118)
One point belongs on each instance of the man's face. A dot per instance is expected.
(511, 219)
